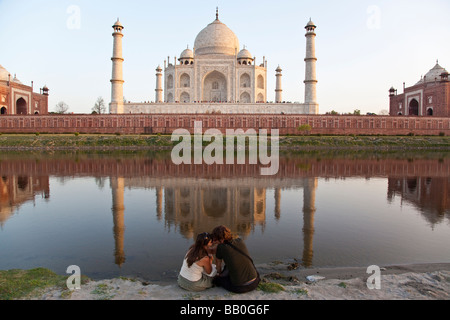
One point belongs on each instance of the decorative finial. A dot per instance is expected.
(217, 13)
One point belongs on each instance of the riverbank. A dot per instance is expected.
(281, 281)
(161, 142)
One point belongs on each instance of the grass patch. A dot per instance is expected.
(103, 292)
(270, 287)
(16, 284)
(302, 292)
(77, 140)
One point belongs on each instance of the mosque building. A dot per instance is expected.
(215, 76)
(428, 97)
(17, 98)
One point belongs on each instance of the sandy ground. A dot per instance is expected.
(410, 282)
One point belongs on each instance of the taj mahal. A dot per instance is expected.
(216, 77)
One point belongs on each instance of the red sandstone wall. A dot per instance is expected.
(166, 124)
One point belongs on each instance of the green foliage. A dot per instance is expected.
(270, 287)
(305, 128)
(15, 284)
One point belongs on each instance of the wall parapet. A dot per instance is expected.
(167, 123)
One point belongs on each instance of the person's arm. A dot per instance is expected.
(219, 266)
(206, 263)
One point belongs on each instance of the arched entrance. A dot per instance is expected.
(215, 87)
(21, 106)
(414, 107)
(3, 110)
(185, 98)
(245, 98)
(430, 112)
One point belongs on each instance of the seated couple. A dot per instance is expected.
(198, 273)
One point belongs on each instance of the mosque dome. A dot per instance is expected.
(187, 54)
(216, 38)
(4, 74)
(433, 74)
(16, 80)
(244, 54)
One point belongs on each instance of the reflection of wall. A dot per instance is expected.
(430, 195)
(16, 190)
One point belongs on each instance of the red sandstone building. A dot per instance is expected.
(428, 97)
(19, 99)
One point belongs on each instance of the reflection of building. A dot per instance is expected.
(16, 190)
(430, 195)
(198, 205)
(199, 208)
(17, 98)
(309, 209)
(428, 97)
(118, 210)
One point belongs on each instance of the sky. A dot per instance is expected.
(363, 47)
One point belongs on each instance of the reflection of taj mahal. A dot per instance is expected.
(196, 206)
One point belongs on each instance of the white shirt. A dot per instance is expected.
(194, 273)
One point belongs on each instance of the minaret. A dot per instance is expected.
(116, 105)
(310, 69)
(278, 90)
(159, 89)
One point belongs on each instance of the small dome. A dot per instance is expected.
(433, 74)
(310, 24)
(118, 24)
(16, 80)
(4, 74)
(216, 38)
(244, 54)
(278, 69)
(187, 54)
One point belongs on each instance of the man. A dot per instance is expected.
(239, 274)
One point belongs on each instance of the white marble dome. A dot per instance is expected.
(216, 38)
(187, 54)
(245, 54)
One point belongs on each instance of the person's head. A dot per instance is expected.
(199, 249)
(222, 234)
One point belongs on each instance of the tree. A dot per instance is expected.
(384, 112)
(305, 129)
(357, 112)
(61, 107)
(99, 107)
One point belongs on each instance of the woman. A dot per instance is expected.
(198, 271)
(239, 274)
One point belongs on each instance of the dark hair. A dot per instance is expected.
(197, 250)
(222, 233)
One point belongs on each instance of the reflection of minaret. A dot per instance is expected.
(159, 204)
(118, 209)
(277, 203)
(309, 208)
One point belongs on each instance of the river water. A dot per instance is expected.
(135, 213)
